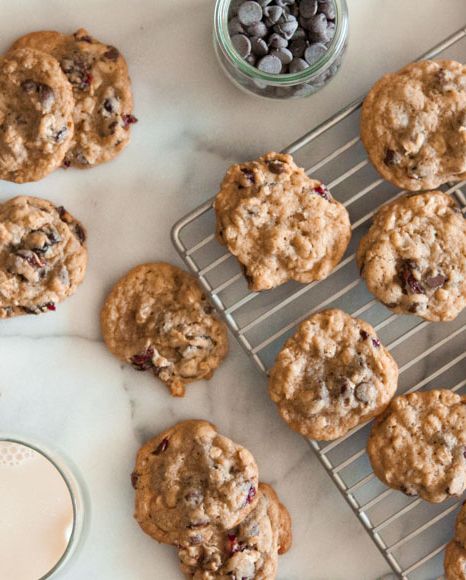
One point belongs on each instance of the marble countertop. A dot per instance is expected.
(59, 384)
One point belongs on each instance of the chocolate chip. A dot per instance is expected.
(364, 335)
(80, 234)
(242, 44)
(298, 65)
(286, 26)
(391, 158)
(277, 167)
(112, 53)
(249, 13)
(258, 30)
(308, 8)
(259, 47)
(408, 281)
(277, 41)
(134, 479)
(327, 7)
(273, 14)
(270, 64)
(28, 86)
(314, 52)
(298, 46)
(235, 27)
(436, 281)
(60, 135)
(283, 54)
(161, 447)
(84, 38)
(248, 174)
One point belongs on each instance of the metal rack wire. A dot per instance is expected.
(410, 533)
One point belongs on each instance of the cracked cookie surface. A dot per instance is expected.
(36, 106)
(280, 224)
(413, 258)
(413, 125)
(158, 319)
(418, 445)
(249, 551)
(43, 256)
(101, 89)
(332, 375)
(455, 552)
(189, 480)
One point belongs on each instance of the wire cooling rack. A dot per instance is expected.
(410, 533)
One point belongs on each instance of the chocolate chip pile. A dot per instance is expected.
(282, 36)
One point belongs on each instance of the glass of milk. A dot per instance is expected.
(41, 511)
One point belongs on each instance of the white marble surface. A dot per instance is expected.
(59, 384)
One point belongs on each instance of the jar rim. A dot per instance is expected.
(325, 61)
(73, 487)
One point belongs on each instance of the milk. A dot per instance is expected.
(36, 513)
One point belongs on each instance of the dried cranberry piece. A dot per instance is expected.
(251, 494)
(408, 280)
(143, 361)
(134, 479)
(161, 447)
(376, 342)
(112, 53)
(436, 281)
(61, 211)
(232, 544)
(66, 163)
(323, 192)
(128, 120)
(51, 306)
(31, 258)
(276, 167)
(80, 234)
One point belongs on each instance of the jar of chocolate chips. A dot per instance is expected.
(280, 48)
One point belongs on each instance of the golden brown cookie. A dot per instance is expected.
(413, 125)
(279, 223)
(190, 480)
(102, 92)
(249, 550)
(332, 375)
(413, 257)
(455, 553)
(158, 319)
(36, 106)
(43, 256)
(418, 445)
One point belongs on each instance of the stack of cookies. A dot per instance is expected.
(65, 100)
(200, 492)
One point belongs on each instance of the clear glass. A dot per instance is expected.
(75, 489)
(279, 86)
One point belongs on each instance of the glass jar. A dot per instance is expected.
(42, 507)
(279, 86)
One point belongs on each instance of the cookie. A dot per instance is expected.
(413, 258)
(36, 106)
(413, 125)
(43, 256)
(250, 550)
(417, 445)
(332, 375)
(455, 561)
(102, 92)
(455, 553)
(280, 224)
(189, 480)
(157, 319)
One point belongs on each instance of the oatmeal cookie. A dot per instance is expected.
(189, 480)
(250, 550)
(455, 553)
(36, 107)
(332, 375)
(413, 258)
(102, 92)
(43, 256)
(413, 125)
(157, 319)
(279, 223)
(417, 445)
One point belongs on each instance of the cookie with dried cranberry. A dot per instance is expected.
(249, 550)
(331, 375)
(413, 125)
(413, 258)
(455, 553)
(418, 445)
(43, 256)
(36, 124)
(279, 223)
(102, 92)
(190, 480)
(158, 319)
